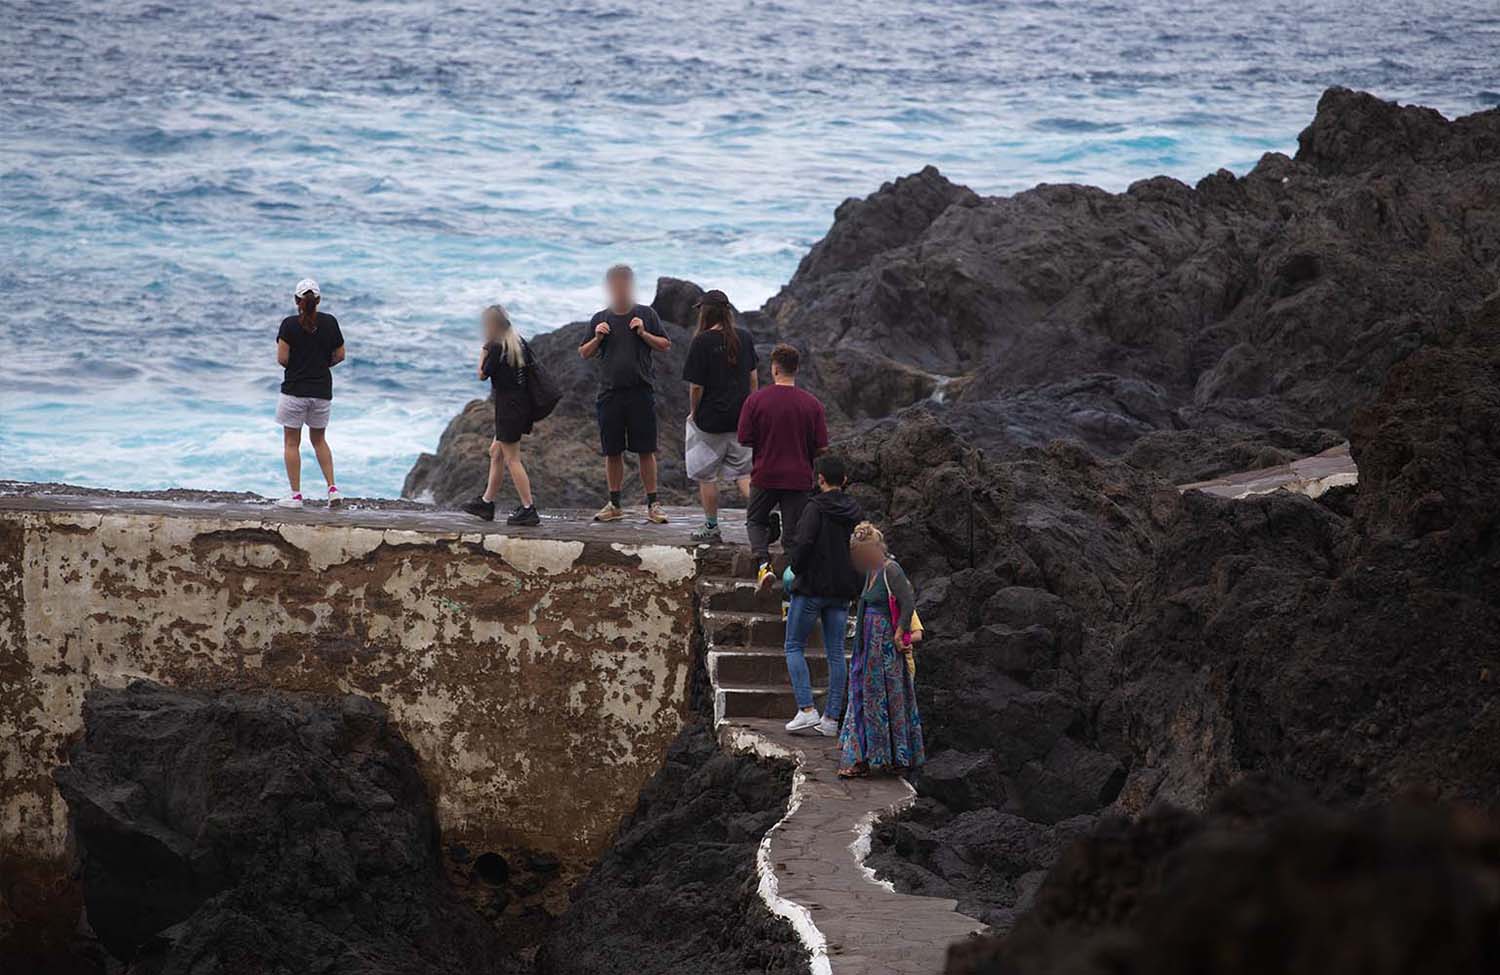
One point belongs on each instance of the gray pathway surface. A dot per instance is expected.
(1310, 476)
(812, 870)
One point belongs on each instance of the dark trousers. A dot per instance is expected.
(758, 516)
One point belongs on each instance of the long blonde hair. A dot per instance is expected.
(497, 325)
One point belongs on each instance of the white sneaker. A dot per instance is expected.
(290, 501)
(828, 727)
(335, 499)
(803, 721)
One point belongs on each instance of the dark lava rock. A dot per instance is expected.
(1110, 644)
(1400, 890)
(676, 891)
(1351, 655)
(964, 780)
(1023, 568)
(1072, 780)
(1256, 310)
(261, 833)
(1347, 644)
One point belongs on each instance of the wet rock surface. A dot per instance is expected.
(262, 832)
(676, 892)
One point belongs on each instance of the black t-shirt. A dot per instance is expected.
(308, 372)
(624, 357)
(724, 386)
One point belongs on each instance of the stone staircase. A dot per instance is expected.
(746, 634)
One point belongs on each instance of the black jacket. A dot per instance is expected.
(819, 547)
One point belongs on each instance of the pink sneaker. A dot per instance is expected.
(290, 501)
(335, 499)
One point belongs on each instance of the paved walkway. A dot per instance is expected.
(1310, 476)
(812, 872)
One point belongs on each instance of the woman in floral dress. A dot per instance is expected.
(882, 731)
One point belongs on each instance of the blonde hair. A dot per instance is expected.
(865, 534)
(506, 337)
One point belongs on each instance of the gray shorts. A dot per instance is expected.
(300, 411)
(715, 456)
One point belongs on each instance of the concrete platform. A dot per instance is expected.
(812, 871)
(1311, 476)
(572, 525)
(504, 655)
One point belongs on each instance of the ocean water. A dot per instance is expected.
(169, 169)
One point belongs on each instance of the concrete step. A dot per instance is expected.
(736, 594)
(735, 561)
(729, 629)
(760, 665)
(761, 700)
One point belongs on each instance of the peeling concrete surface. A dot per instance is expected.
(539, 676)
(1311, 476)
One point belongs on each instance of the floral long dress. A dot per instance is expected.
(881, 725)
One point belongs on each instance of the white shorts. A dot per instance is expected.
(300, 411)
(715, 456)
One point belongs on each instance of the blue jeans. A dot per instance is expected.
(803, 612)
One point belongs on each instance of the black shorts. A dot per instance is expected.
(512, 415)
(627, 421)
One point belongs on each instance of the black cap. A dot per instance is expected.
(714, 297)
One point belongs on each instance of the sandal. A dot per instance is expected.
(856, 771)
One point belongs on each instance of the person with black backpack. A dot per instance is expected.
(506, 361)
(821, 579)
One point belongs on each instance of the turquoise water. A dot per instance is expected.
(168, 171)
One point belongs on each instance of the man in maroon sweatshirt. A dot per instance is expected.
(786, 429)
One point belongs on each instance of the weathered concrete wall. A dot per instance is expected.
(539, 679)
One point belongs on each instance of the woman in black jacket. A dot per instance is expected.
(822, 582)
(506, 362)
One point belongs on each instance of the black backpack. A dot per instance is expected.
(541, 390)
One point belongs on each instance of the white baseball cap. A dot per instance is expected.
(306, 286)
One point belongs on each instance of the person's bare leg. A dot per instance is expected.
(743, 484)
(324, 453)
(512, 455)
(291, 453)
(614, 471)
(648, 473)
(497, 472)
(708, 493)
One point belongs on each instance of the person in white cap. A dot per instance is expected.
(308, 346)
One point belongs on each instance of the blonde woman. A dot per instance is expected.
(506, 362)
(882, 731)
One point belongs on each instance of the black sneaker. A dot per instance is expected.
(775, 521)
(481, 508)
(525, 515)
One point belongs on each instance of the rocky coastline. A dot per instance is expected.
(1131, 693)
(1020, 382)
